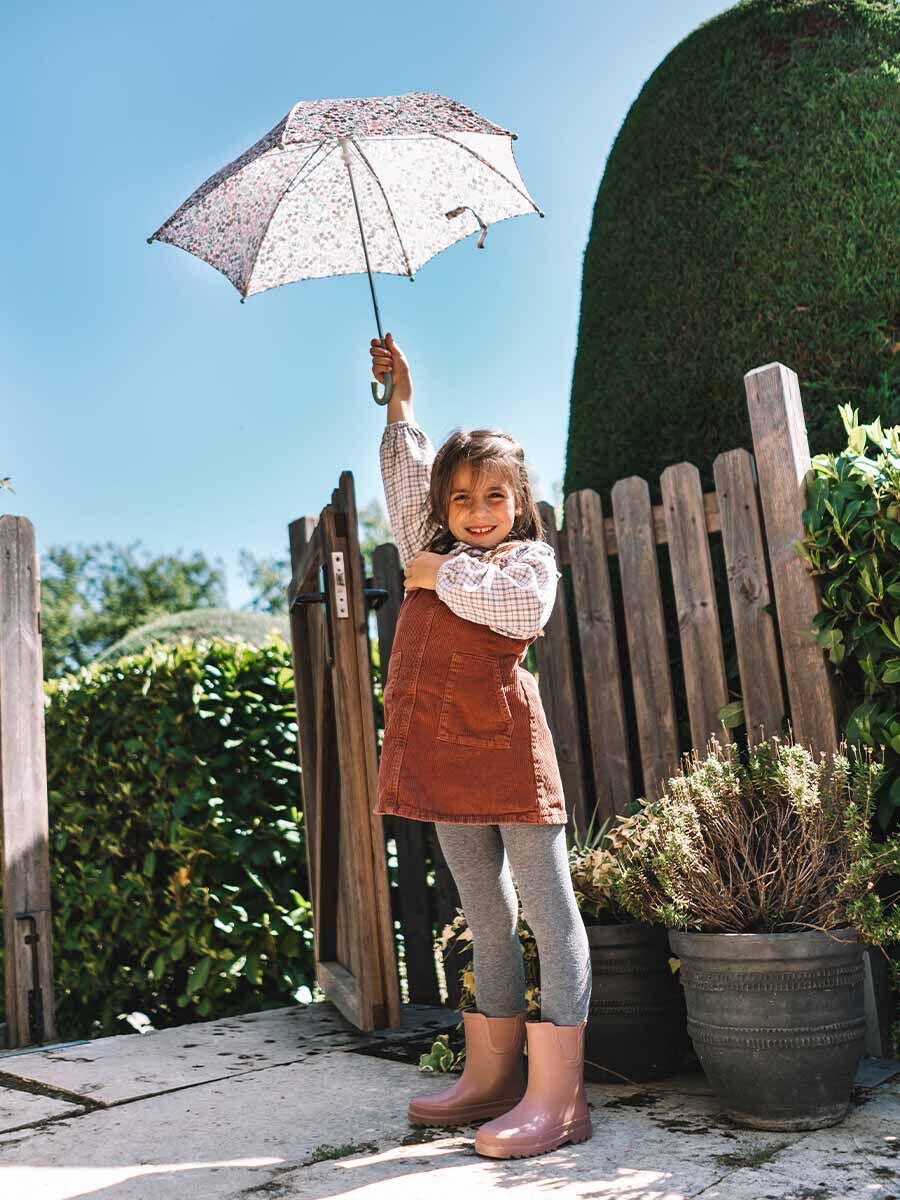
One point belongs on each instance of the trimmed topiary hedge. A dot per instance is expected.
(178, 858)
(747, 214)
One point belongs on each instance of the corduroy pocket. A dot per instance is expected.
(475, 711)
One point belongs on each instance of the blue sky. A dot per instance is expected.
(142, 401)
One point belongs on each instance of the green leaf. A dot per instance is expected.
(732, 715)
(199, 976)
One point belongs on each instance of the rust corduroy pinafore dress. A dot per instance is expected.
(466, 738)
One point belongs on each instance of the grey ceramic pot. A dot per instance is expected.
(777, 1021)
(636, 1028)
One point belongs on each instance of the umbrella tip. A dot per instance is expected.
(150, 240)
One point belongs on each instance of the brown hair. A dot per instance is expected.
(483, 450)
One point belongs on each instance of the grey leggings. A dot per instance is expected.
(477, 858)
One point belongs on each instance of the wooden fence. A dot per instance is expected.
(609, 693)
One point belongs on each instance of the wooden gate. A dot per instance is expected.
(353, 926)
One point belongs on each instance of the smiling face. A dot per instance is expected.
(489, 504)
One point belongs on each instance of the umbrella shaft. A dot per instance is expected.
(346, 157)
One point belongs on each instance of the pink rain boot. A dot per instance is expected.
(554, 1108)
(492, 1080)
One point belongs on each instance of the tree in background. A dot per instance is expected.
(747, 214)
(93, 595)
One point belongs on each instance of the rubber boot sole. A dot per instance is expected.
(464, 1114)
(576, 1131)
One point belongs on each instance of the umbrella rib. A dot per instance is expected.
(475, 154)
(285, 191)
(388, 205)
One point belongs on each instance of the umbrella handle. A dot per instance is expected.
(388, 389)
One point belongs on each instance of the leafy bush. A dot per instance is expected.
(777, 843)
(195, 623)
(852, 540)
(594, 869)
(176, 842)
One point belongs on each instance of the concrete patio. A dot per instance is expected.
(296, 1103)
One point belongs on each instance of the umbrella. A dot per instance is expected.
(422, 171)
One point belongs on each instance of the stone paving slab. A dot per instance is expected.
(19, 1109)
(112, 1069)
(260, 1134)
(330, 1122)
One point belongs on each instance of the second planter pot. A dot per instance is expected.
(777, 1021)
(636, 1028)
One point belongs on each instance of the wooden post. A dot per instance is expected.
(30, 1008)
(781, 450)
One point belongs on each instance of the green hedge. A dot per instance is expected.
(195, 623)
(747, 213)
(177, 849)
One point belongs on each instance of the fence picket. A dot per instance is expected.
(703, 661)
(646, 632)
(781, 450)
(606, 726)
(556, 681)
(748, 587)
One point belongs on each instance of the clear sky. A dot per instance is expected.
(141, 400)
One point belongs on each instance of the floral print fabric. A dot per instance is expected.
(284, 209)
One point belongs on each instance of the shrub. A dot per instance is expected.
(192, 624)
(747, 213)
(852, 540)
(176, 843)
(777, 843)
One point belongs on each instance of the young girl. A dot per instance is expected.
(467, 746)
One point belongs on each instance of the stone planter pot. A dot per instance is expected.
(637, 1023)
(777, 1021)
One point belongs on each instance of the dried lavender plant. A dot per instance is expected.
(778, 843)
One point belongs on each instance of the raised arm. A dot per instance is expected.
(405, 455)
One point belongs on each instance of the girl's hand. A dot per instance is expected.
(391, 358)
(421, 571)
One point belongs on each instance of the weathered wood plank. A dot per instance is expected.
(556, 682)
(645, 628)
(660, 534)
(306, 633)
(606, 724)
(23, 787)
(781, 450)
(375, 877)
(703, 661)
(748, 588)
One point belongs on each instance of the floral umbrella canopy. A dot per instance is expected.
(338, 187)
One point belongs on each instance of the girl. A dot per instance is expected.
(467, 746)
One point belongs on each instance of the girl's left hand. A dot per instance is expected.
(422, 569)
